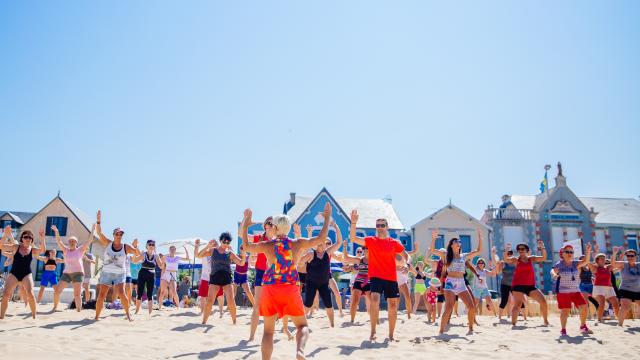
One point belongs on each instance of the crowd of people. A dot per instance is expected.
(292, 275)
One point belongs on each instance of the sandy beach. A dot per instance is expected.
(178, 334)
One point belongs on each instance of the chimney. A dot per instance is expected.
(292, 198)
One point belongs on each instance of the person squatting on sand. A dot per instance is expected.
(73, 270)
(147, 275)
(566, 274)
(113, 271)
(169, 278)
(49, 276)
(524, 279)
(630, 281)
(20, 273)
(221, 274)
(382, 270)
(454, 285)
(281, 293)
(319, 273)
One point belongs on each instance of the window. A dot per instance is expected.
(59, 222)
(557, 239)
(572, 233)
(465, 243)
(600, 240)
(632, 241)
(440, 242)
(513, 235)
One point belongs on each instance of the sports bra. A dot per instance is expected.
(50, 261)
(419, 275)
(457, 265)
(149, 263)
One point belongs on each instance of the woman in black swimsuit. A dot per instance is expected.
(20, 273)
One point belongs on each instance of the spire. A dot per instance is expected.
(561, 181)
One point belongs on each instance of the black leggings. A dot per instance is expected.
(505, 290)
(146, 279)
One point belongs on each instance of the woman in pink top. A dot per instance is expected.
(73, 269)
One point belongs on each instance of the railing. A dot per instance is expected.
(508, 214)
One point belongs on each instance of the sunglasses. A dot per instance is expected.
(28, 237)
(151, 245)
(631, 255)
(328, 243)
(268, 223)
(381, 226)
(568, 252)
(225, 241)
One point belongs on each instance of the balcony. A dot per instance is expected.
(508, 214)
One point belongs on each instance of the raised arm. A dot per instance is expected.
(433, 250)
(7, 235)
(90, 240)
(297, 233)
(478, 251)
(104, 241)
(352, 229)
(587, 257)
(207, 249)
(133, 248)
(43, 244)
(322, 237)
(56, 233)
(543, 250)
(187, 253)
(260, 247)
(506, 259)
(333, 248)
(615, 263)
(86, 258)
(416, 247)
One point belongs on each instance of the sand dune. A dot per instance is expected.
(178, 334)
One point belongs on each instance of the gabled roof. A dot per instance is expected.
(453, 207)
(369, 210)
(84, 220)
(615, 211)
(20, 217)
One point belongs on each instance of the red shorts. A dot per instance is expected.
(565, 300)
(281, 300)
(203, 289)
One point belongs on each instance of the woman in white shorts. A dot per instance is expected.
(402, 274)
(602, 287)
(169, 278)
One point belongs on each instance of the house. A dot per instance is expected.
(453, 222)
(308, 211)
(558, 215)
(69, 220)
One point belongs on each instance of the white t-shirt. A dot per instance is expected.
(206, 268)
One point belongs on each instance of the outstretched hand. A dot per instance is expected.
(135, 244)
(55, 229)
(98, 216)
(354, 217)
(41, 232)
(7, 230)
(247, 217)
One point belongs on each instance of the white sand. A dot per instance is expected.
(177, 334)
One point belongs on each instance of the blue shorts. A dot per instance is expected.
(586, 288)
(49, 278)
(112, 279)
(239, 279)
(481, 293)
(128, 279)
(258, 280)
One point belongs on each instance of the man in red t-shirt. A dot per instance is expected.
(382, 270)
(261, 267)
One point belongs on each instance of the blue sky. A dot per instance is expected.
(173, 117)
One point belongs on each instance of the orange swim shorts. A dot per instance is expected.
(282, 300)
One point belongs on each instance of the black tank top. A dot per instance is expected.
(50, 261)
(319, 270)
(21, 264)
(149, 264)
